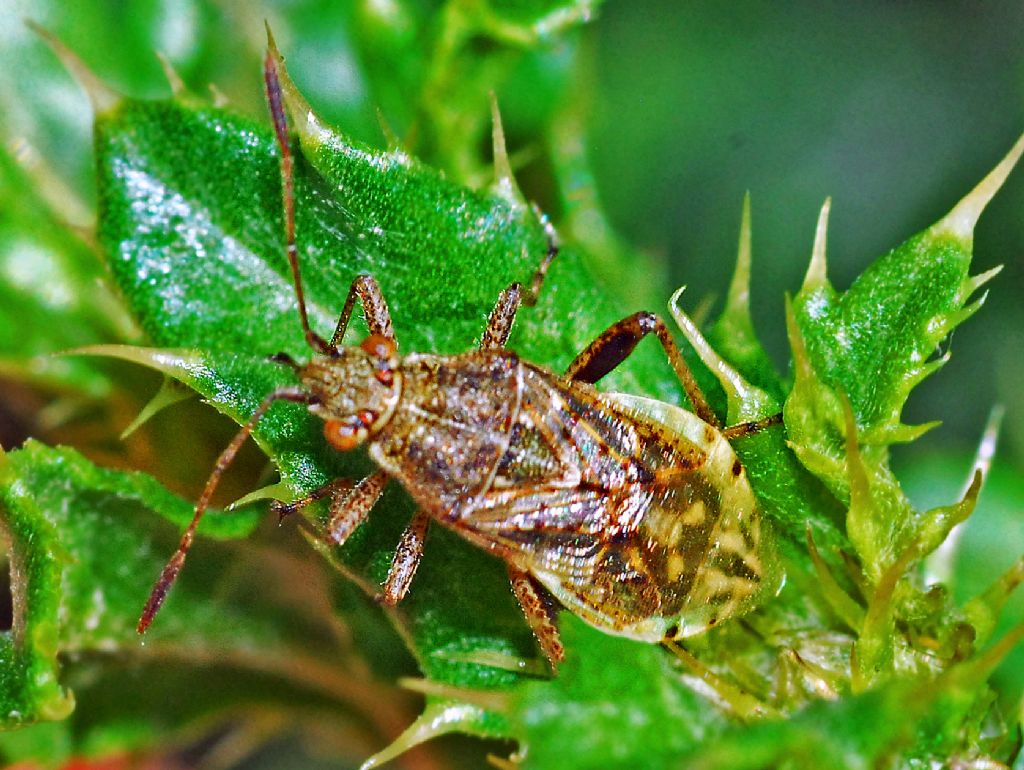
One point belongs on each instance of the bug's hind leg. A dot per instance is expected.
(617, 342)
(539, 613)
(406, 560)
(744, 429)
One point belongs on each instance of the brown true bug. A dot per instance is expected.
(634, 514)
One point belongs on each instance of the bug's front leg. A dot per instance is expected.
(499, 323)
(378, 318)
(539, 614)
(406, 560)
(617, 342)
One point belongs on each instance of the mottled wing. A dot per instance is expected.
(616, 512)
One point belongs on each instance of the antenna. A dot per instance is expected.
(275, 99)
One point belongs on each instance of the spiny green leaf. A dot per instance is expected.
(190, 212)
(869, 347)
(75, 567)
(874, 341)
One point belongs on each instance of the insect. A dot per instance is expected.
(634, 514)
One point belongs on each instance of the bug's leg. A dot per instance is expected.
(348, 509)
(749, 428)
(284, 509)
(378, 319)
(406, 560)
(499, 323)
(617, 342)
(174, 565)
(539, 614)
(537, 279)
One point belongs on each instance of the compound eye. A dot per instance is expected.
(344, 435)
(379, 346)
(383, 351)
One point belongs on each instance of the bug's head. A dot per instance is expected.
(355, 390)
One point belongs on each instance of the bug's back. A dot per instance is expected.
(635, 514)
(451, 426)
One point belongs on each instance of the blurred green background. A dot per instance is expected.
(895, 110)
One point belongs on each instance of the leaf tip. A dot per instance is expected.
(220, 99)
(975, 282)
(173, 78)
(504, 181)
(737, 300)
(390, 137)
(170, 393)
(272, 50)
(746, 402)
(436, 720)
(817, 271)
(940, 565)
(961, 220)
(102, 97)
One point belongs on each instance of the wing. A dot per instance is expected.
(618, 510)
(602, 555)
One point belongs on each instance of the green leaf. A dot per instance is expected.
(85, 544)
(433, 69)
(985, 552)
(874, 341)
(191, 214)
(50, 298)
(75, 566)
(597, 714)
(867, 348)
(900, 725)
